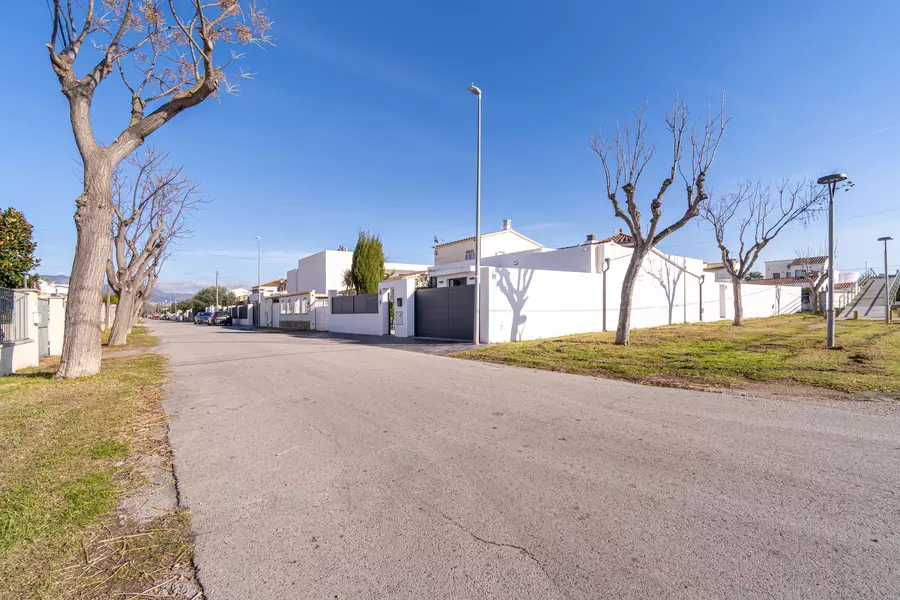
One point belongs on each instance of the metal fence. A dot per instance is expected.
(13, 315)
(355, 305)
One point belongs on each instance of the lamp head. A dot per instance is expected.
(833, 178)
(885, 239)
(475, 90)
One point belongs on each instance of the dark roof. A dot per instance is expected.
(812, 260)
(619, 238)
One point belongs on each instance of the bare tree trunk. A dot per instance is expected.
(138, 307)
(121, 326)
(623, 330)
(738, 302)
(81, 344)
(814, 298)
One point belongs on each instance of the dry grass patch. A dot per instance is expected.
(72, 451)
(787, 350)
(138, 338)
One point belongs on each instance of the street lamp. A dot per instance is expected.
(887, 281)
(475, 90)
(217, 288)
(258, 279)
(831, 181)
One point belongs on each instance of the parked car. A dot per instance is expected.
(202, 318)
(154, 316)
(223, 317)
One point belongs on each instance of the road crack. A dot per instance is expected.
(521, 549)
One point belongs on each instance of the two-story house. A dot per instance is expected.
(804, 272)
(454, 262)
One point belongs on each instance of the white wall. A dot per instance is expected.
(291, 284)
(57, 324)
(366, 324)
(523, 304)
(322, 271)
(405, 311)
(404, 268)
(778, 266)
(581, 259)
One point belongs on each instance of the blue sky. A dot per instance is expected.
(359, 118)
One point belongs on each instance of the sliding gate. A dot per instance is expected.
(447, 312)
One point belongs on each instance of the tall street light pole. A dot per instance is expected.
(887, 281)
(259, 277)
(475, 90)
(217, 289)
(831, 181)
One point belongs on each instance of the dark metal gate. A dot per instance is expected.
(447, 312)
(43, 327)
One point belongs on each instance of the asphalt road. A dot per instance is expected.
(320, 468)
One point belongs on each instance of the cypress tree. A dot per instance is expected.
(367, 266)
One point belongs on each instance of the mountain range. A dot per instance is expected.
(157, 296)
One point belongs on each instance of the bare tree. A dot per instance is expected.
(145, 292)
(632, 155)
(150, 213)
(165, 58)
(759, 216)
(815, 273)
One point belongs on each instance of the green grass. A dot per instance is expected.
(786, 350)
(70, 450)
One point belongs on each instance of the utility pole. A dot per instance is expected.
(217, 288)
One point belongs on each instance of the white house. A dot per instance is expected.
(324, 271)
(454, 262)
(718, 271)
(240, 293)
(268, 288)
(50, 288)
(796, 272)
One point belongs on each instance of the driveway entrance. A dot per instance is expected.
(447, 312)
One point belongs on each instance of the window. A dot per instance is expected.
(304, 306)
(799, 273)
(776, 275)
(470, 255)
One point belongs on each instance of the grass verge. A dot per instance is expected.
(785, 351)
(73, 451)
(138, 338)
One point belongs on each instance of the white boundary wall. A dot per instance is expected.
(526, 304)
(365, 324)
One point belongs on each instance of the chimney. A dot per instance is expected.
(591, 239)
(507, 224)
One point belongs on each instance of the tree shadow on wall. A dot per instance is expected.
(667, 276)
(516, 295)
